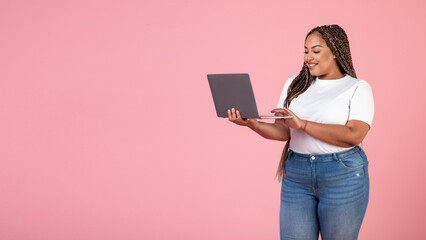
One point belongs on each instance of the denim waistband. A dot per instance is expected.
(324, 157)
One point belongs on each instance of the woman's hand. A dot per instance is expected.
(294, 122)
(235, 117)
(272, 131)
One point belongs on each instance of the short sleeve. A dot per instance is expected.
(361, 106)
(283, 95)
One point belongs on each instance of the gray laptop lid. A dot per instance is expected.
(233, 91)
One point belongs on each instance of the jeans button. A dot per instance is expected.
(313, 157)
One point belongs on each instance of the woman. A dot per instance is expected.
(325, 187)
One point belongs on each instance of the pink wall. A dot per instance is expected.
(108, 129)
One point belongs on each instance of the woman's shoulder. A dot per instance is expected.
(358, 81)
(360, 87)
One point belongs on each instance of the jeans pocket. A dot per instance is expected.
(353, 161)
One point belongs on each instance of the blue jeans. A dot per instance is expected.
(324, 193)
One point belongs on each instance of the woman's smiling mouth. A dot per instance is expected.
(312, 65)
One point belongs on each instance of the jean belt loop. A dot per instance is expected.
(335, 156)
(290, 153)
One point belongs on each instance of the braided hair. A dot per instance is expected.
(337, 41)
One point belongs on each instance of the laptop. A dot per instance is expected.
(235, 91)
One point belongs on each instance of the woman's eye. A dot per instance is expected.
(316, 52)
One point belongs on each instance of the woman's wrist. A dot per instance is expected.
(304, 125)
(252, 124)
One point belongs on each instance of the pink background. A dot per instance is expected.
(108, 129)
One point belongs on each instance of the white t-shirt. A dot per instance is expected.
(329, 102)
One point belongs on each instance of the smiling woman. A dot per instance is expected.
(325, 188)
(319, 58)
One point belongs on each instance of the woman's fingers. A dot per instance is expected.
(293, 122)
(232, 115)
(238, 115)
(229, 115)
(235, 117)
(282, 111)
(278, 110)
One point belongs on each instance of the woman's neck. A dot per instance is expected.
(331, 77)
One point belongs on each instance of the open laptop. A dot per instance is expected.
(235, 91)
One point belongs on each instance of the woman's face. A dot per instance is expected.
(319, 58)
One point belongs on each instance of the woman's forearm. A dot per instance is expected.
(348, 135)
(273, 131)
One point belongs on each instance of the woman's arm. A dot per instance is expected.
(274, 131)
(348, 135)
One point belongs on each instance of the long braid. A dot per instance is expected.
(338, 42)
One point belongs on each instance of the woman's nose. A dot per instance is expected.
(309, 57)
